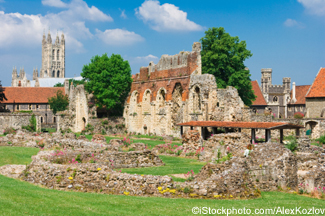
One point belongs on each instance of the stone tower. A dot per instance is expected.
(266, 79)
(53, 57)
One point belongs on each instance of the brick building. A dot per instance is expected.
(33, 99)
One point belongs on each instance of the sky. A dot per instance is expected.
(285, 35)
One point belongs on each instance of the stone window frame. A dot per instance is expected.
(53, 54)
(289, 108)
(42, 119)
(191, 94)
(158, 94)
(58, 54)
(54, 119)
(17, 107)
(275, 98)
(29, 106)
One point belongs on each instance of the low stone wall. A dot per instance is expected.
(224, 143)
(17, 120)
(114, 160)
(268, 166)
(93, 177)
(110, 125)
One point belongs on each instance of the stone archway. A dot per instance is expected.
(313, 126)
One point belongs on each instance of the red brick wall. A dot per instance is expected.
(164, 78)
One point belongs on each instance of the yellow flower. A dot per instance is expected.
(70, 178)
(99, 169)
(231, 196)
(142, 175)
(159, 188)
(216, 196)
(126, 193)
(172, 191)
(193, 195)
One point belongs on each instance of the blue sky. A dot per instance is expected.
(287, 36)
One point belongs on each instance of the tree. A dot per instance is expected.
(59, 102)
(59, 85)
(2, 98)
(109, 79)
(224, 56)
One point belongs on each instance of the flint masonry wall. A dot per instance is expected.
(16, 120)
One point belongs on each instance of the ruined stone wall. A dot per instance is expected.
(174, 91)
(16, 120)
(77, 117)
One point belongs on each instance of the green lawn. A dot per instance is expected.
(174, 165)
(23, 198)
(16, 155)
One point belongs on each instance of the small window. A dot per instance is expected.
(37, 106)
(41, 119)
(17, 107)
(275, 99)
(53, 54)
(29, 107)
(54, 119)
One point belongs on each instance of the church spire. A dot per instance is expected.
(49, 39)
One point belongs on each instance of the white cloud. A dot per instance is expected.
(166, 17)
(123, 15)
(26, 30)
(293, 23)
(146, 58)
(118, 37)
(316, 7)
(54, 3)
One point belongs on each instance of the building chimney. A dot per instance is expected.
(293, 93)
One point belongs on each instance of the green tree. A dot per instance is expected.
(109, 79)
(224, 56)
(76, 82)
(59, 85)
(59, 102)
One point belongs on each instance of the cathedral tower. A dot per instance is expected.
(53, 57)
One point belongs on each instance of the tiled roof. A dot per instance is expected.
(30, 94)
(317, 89)
(259, 101)
(259, 125)
(301, 92)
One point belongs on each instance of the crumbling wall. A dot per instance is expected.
(178, 93)
(17, 120)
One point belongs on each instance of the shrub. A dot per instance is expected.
(298, 115)
(293, 144)
(9, 131)
(321, 139)
(105, 122)
(187, 190)
(103, 132)
(32, 124)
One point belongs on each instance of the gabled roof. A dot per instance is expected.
(260, 101)
(30, 94)
(301, 92)
(317, 89)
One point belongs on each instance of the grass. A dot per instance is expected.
(174, 165)
(16, 155)
(23, 198)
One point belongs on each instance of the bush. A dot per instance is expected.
(321, 139)
(293, 144)
(32, 124)
(298, 115)
(105, 122)
(9, 131)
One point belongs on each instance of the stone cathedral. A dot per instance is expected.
(53, 62)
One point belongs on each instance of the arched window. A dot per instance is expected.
(275, 99)
(54, 119)
(41, 119)
(196, 99)
(58, 73)
(53, 54)
(53, 74)
(161, 98)
(58, 55)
